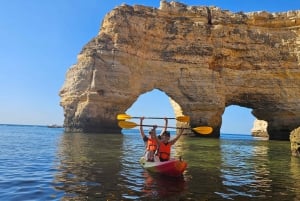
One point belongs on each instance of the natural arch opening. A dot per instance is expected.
(154, 103)
(237, 120)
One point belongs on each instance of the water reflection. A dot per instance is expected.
(295, 176)
(163, 187)
(137, 182)
(106, 167)
(279, 164)
(244, 169)
(202, 175)
(88, 165)
(256, 170)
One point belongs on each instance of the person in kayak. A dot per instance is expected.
(164, 145)
(150, 141)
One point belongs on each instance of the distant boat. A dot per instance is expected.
(54, 126)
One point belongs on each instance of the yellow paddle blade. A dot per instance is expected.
(123, 116)
(183, 118)
(203, 130)
(127, 124)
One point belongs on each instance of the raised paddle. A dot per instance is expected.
(201, 129)
(126, 116)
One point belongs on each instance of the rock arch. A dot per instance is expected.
(204, 58)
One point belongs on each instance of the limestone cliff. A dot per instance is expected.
(204, 58)
(295, 142)
(259, 128)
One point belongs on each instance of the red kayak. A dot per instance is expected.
(172, 167)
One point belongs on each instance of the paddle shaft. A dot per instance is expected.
(201, 129)
(163, 126)
(152, 118)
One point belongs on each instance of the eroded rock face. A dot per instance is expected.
(295, 142)
(204, 58)
(259, 128)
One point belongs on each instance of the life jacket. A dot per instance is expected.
(151, 144)
(164, 151)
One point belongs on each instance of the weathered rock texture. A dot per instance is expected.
(178, 112)
(260, 128)
(295, 142)
(204, 58)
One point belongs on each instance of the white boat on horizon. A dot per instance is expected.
(54, 126)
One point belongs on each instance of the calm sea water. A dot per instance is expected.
(40, 163)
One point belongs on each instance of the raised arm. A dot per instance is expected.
(165, 127)
(173, 141)
(154, 134)
(141, 127)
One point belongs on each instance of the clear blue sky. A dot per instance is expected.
(40, 40)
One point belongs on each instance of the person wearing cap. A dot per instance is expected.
(164, 145)
(150, 141)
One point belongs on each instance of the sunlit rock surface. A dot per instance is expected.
(259, 128)
(204, 58)
(295, 142)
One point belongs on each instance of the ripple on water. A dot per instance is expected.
(44, 164)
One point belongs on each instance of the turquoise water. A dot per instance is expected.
(40, 163)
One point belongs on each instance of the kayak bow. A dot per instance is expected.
(172, 167)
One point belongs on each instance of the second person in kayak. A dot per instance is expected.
(164, 144)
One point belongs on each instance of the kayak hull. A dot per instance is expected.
(172, 167)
